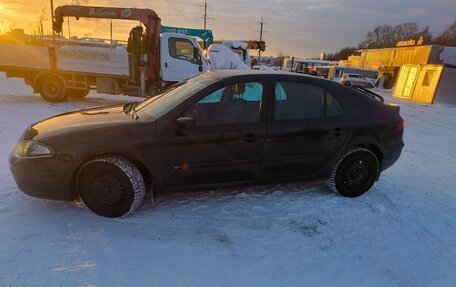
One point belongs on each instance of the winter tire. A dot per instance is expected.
(77, 94)
(111, 186)
(52, 89)
(354, 173)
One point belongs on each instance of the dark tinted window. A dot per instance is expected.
(237, 103)
(304, 101)
(333, 108)
(298, 101)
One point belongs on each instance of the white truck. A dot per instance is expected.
(62, 68)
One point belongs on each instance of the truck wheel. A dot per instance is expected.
(354, 173)
(111, 186)
(52, 89)
(77, 94)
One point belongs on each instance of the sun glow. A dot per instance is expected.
(5, 26)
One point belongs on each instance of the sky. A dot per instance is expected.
(301, 28)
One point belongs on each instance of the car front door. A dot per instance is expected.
(307, 127)
(218, 137)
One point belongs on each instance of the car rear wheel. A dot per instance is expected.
(111, 186)
(354, 173)
(369, 86)
(348, 84)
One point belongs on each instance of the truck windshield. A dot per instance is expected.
(158, 106)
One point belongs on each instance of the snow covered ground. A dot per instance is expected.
(402, 233)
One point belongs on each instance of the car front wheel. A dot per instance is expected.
(354, 173)
(111, 186)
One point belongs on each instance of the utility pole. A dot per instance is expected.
(41, 28)
(205, 17)
(205, 14)
(69, 32)
(52, 22)
(261, 36)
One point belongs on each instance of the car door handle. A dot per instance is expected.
(337, 132)
(249, 138)
(166, 64)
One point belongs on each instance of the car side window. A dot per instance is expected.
(333, 108)
(296, 100)
(301, 101)
(232, 104)
(181, 49)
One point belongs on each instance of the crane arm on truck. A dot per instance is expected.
(205, 35)
(148, 17)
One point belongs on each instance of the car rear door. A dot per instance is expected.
(226, 141)
(307, 127)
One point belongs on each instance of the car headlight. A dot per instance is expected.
(32, 149)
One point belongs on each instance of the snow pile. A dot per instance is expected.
(263, 68)
(235, 44)
(448, 56)
(222, 58)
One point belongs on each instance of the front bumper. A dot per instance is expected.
(44, 177)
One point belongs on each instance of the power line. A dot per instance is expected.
(175, 9)
(333, 9)
(293, 13)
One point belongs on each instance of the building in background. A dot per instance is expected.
(419, 73)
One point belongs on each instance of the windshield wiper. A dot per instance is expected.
(129, 109)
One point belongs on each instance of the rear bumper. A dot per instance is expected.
(392, 155)
(46, 177)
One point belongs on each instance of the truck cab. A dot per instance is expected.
(181, 57)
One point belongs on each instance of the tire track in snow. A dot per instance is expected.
(410, 226)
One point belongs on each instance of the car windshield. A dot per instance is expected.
(158, 106)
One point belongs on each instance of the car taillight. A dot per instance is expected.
(400, 126)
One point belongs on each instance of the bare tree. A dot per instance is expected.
(387, 36)
(448, 37)
(278, 61)
(342, 54)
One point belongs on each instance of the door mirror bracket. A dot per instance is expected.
(185, 123)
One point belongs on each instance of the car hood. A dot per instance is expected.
(91, 118)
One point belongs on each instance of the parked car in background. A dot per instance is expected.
(217, 129)
(357, 80)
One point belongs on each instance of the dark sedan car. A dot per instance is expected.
(220, 128)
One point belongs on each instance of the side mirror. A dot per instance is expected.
(197, 56)
(185, 123)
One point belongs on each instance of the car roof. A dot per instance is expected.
(226, 74)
